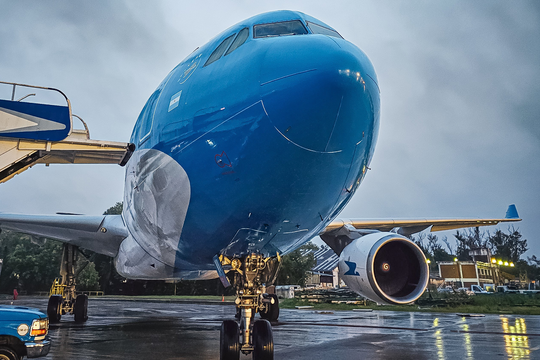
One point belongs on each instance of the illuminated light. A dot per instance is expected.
(39, 327)
(500, 262)
(455, 259)
(385, 267)
(494, 261)
(506, 263)
(428, 261)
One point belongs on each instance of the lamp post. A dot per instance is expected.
(459, 269)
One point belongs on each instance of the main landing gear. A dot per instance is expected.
(252, 273)
(63, 298)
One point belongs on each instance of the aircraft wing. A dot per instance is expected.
(341, 232)
(102, 234)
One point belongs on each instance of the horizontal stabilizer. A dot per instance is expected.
(102, 234)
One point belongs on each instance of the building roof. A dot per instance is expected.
(327, 260)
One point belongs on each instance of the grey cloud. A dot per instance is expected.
(459, 85)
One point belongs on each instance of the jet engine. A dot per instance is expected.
(384, 267)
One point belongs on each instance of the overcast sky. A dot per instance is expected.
(460, 90)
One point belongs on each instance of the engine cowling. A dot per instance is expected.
(384, 267)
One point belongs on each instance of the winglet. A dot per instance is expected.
(512, 213)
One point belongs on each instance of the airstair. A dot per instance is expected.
(42, 133)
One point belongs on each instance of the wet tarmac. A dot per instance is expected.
(160, 330)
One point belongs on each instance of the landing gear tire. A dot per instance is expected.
(271, 313)
(229, 343)
(54, 308)
(263, 341)
(8, 354)
(80, 309)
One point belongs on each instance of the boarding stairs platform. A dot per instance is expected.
(42, 133)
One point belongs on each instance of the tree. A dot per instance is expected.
(448, 246)
(470, 239)
(115, 210)
(504, 246)
(419, 241)
(433, 250)
(295, 265)
(88, 278)
(508, 246)
(437, 250)
(534, 267)
(29, 265)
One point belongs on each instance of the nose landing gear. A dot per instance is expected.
(252, 273)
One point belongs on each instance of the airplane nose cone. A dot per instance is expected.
(318, 92)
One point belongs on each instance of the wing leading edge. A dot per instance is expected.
(102, 234)
(341, 232)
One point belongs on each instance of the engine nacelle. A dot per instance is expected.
(384, 267)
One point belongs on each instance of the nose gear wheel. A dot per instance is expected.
(252, 274)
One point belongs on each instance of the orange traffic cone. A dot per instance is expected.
(222, 298)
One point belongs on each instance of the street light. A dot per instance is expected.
(505, 263)
(460, 273)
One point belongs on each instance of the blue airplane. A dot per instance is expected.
(249, 148)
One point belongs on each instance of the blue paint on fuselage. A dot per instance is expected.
(297, 119)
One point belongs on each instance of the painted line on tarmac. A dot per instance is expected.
(493, 333)
(353, 325)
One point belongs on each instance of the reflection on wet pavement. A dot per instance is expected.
(517, 345)
(141, 329)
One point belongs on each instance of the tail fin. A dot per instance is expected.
(512, 213)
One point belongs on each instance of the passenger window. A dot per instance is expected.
(294, 27)
(219, 50)
(318, 29)
(240, 39)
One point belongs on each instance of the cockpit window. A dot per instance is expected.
(318, 29)
(219, 50)
(239, 40)
(294, 27)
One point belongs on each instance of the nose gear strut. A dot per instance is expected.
(252, 273)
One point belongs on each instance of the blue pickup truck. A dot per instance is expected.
(23, 332)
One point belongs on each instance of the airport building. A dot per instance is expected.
(467, 273)
(482, 270)
(325, 273)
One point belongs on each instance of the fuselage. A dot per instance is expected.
(253, 143)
